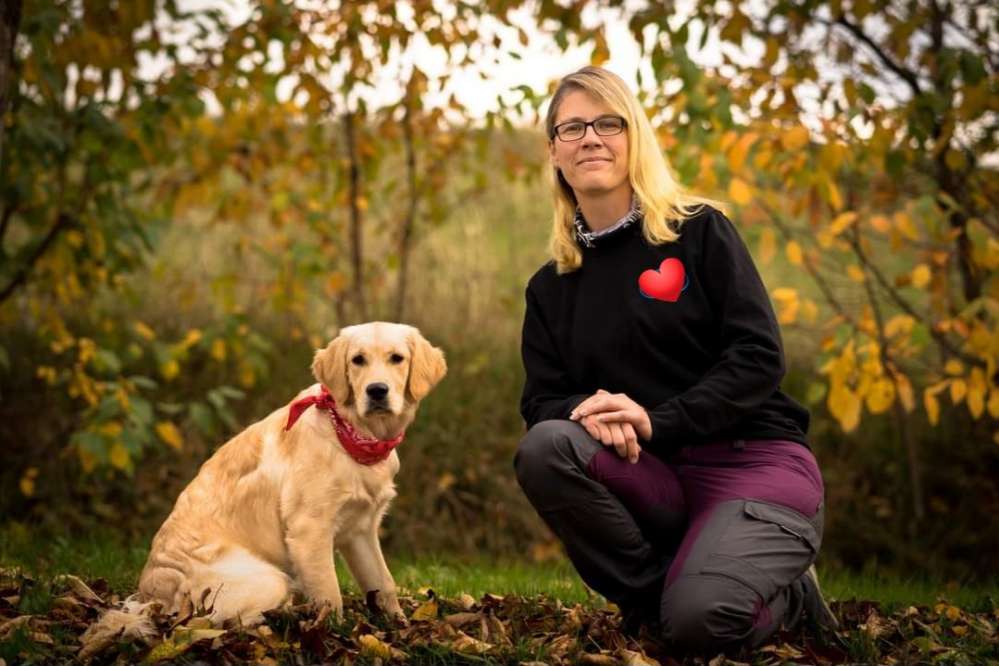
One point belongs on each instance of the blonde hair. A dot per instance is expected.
(664, 201)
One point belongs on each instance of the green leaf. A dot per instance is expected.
(107, 361)
(202, 417)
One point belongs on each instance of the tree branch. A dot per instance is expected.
(940, 339)
(63, 222)
(889, 62)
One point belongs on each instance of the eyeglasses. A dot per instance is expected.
(574, 130)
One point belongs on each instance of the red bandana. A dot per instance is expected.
(365, 450)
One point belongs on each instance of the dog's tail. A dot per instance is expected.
(132, 621)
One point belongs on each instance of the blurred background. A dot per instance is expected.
(194, 196)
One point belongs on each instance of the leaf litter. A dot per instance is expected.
(494, 629)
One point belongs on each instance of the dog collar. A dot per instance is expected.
(365, 450)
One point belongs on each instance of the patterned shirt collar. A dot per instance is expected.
(588, 238)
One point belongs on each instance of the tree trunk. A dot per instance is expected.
(405, 241)
(356, 220)
(9, 22)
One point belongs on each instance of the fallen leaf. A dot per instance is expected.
(371, 646)
(468, 645)
(79, 588)
(427, 611)
(461, 619)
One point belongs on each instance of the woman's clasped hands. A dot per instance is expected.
(615, 420)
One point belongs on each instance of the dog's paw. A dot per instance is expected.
(380, 602)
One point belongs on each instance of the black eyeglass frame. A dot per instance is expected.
(592, 123)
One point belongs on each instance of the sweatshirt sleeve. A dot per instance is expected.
(548, 391)
(750, 364)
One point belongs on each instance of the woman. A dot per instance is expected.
(661, 450)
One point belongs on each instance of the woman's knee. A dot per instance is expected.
(545, 449)
(708, 614)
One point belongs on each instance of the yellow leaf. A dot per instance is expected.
(856, 273)
(192, 338)
(844, 405)
(904, 225)
(601, 52)
(954, 367)
(373, 648)
(932, 406)
(993, 404)
(921, 276)
(793, 252)
(170, 369)
(27, 483)
(835, 198)
(119, 456)
(881, 224)
(794, 138)
(841, 222)
(218, 350)
(740, 192)
(768, 245)
(737, 156)
(899, 324)
(880, 396)
(787, 305)
(957, 390)
(144, 330)
(977, 387)
(168, 433)
(426, 611)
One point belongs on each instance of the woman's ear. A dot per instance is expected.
(330, 367)
(426, 367)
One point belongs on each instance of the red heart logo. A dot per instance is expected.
(664, 284)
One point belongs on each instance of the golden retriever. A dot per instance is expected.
(264, 514)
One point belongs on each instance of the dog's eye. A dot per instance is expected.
(358, 360)
(396, 358)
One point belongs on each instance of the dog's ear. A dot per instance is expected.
(426, 366)
(330, 367)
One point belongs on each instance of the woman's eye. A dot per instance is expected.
(358, 360)
(396, 358)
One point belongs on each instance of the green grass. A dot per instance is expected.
(105, 555)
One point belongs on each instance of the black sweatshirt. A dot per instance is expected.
(698, 346)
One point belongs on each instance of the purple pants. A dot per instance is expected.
(712, 540)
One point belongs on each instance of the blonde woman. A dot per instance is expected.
(661, 450)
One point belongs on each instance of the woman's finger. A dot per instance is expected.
(620, 416)
(617, 436)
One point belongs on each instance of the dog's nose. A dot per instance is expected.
(377, 391)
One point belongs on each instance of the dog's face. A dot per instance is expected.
(379, 368)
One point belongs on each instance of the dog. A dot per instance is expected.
(265, 513)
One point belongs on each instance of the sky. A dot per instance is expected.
(534, 65)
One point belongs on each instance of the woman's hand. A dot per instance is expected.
(609, 408)
(619, 435)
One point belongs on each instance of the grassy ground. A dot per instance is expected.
(104, 555)
(481, 611)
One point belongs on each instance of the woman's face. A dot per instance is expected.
(593, 165)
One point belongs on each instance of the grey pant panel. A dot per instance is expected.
(602, 539)
(736, 585)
